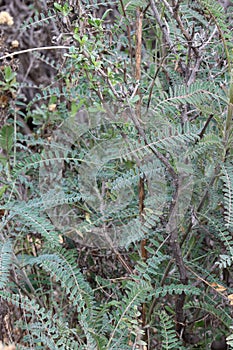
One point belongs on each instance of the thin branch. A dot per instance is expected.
(141, 184)
(153, 81)
(165, 31)
(159, 155)
(161, 24)
(201, 134)
(34, 49)
(176, 251)
(168, 6)
(185, 32)
(128, 33)
(195, 69)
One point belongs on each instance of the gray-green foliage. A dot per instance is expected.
(73, 183)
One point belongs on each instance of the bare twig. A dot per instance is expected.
(175, 247)
(168, 6)
(153, 81)
(161, 24)
(165, 31)
(194, 71)
(34, 49)
(186, 34)
(128, 33)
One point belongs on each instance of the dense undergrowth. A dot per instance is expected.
(116, 175)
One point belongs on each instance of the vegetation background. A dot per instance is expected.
(116, 174)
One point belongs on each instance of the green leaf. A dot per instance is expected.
(7, 138)
(3, 160)
(2, 190)
(9, 75)
(57, 6)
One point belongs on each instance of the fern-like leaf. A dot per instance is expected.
(168, 333)
(227, 178)
(6, 252)
(62, 266)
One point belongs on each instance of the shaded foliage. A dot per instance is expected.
(116, 174)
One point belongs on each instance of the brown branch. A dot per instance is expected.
(175, 248)
(188, 37)
(153, 81)
(201, 134)
(138, 58)
(194, 71)
(138, 53)
(165, 31)
(141, 185)
(161, 24)
(128, 33)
